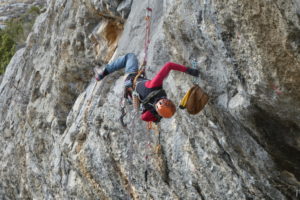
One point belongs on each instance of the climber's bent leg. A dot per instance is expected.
(132, 64)
(128, 61)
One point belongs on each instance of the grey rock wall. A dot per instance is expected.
(60, 134)
(10, 9)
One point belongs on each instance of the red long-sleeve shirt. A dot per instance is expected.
(157, 81)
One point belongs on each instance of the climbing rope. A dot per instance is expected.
(151, 151)
(131, 143)
(141, 72)
(147, 34)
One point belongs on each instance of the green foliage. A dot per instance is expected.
(14, 28)
(34, 10)
(15, 33)
(7, 50)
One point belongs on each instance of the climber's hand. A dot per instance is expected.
(192, 71)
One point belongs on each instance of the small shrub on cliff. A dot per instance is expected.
(34, 10)
(7, 49)
(15, 33)
(14, 29)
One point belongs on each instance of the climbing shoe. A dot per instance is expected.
(99, 75)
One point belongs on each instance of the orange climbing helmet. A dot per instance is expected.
(165, 108)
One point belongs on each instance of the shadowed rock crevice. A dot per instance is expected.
(280, 138)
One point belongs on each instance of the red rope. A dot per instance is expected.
(147, 34)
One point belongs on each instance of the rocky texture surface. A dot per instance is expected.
(15, 8)
(60, 135)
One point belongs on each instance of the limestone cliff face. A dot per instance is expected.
(10, 9)
(60, 135)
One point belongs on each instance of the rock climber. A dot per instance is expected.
(151, 94)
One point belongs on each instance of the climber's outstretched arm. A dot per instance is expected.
(157, 81)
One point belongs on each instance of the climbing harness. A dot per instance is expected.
(135, 95)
